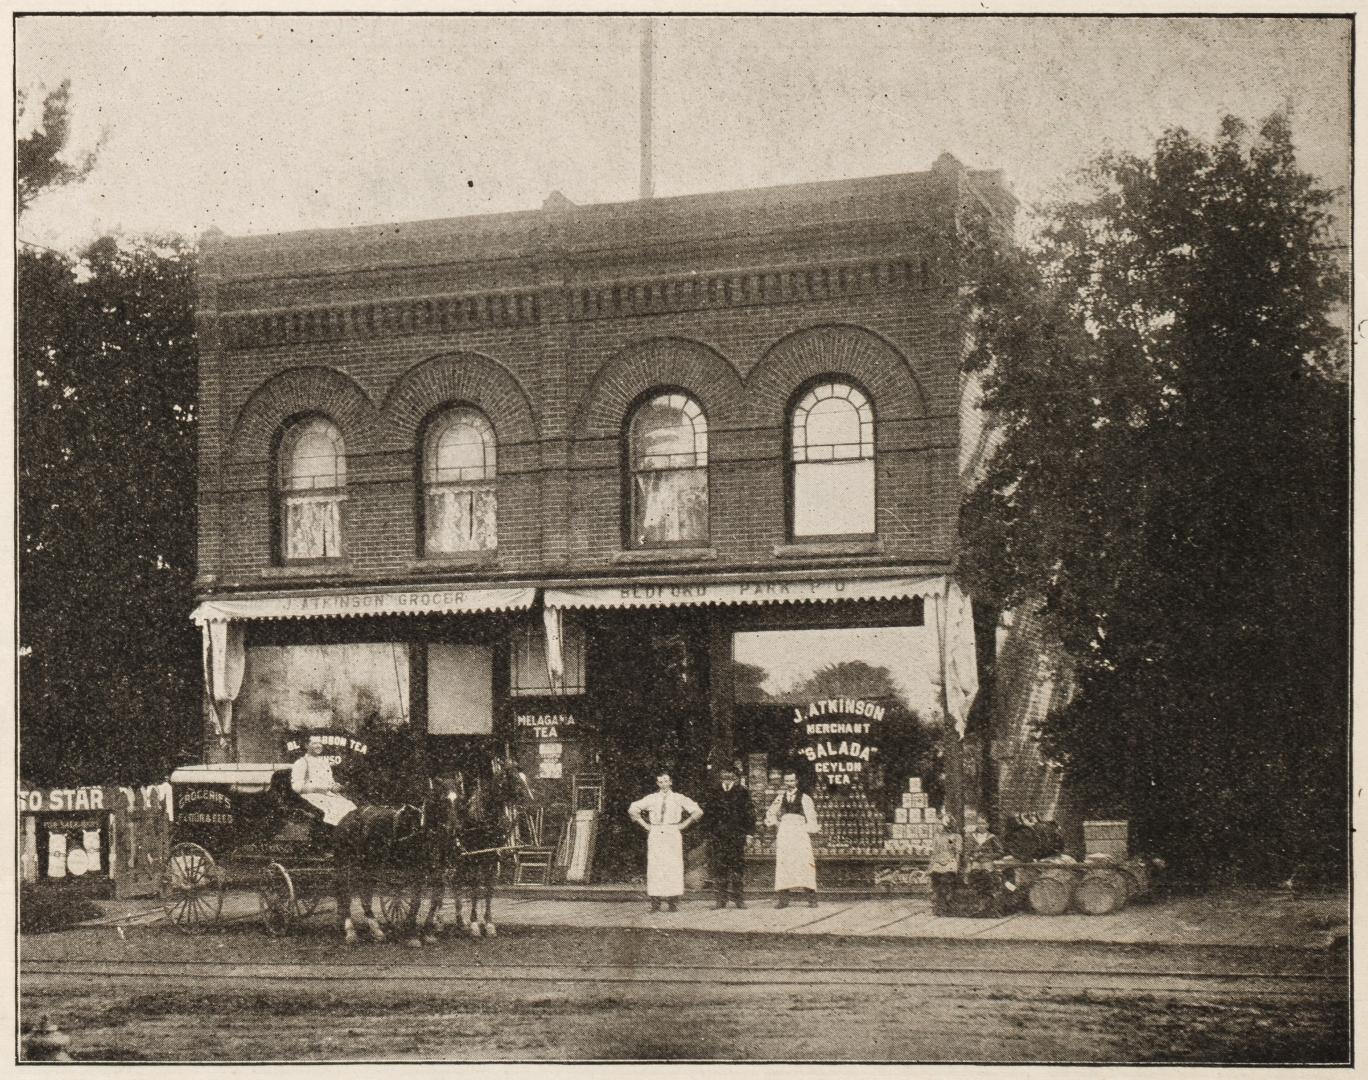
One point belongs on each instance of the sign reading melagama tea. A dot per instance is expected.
(839, 736)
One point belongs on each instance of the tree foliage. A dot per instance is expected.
(39, 162)
(1165, 375)
(105, 390)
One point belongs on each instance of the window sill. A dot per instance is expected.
(811, 549)
(329, 568)
(666, 555)
(456, 560)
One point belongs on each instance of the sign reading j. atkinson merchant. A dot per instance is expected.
(839, 736)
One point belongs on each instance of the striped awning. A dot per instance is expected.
(760, 590)
(439, 600)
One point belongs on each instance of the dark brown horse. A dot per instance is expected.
(495, 794)
(404, 846)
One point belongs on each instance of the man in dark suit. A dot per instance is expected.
(730, 822)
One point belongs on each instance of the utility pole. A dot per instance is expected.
(647, 49)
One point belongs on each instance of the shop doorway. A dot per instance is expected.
(649, 697)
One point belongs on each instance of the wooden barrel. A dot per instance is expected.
(1050, 892)
(1101, 892)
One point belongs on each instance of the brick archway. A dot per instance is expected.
(842, 349)
(679, 362)
(463, 376)
(300, 390)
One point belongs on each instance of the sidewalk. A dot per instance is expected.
(1243, 918)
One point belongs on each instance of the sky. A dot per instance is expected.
(257, 124)
(790, 657)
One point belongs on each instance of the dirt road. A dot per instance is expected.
(544, 994)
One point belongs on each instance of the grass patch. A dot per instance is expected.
(43, 909)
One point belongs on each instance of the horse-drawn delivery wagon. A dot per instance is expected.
(243, 827)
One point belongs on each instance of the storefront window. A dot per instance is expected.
(854, 712)
(832, 701)
(528, 674)
(832, 437)
(668, 457)
(357, 688)
(459, 467)
(313, 478)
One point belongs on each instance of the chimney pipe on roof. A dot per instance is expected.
(647, 48)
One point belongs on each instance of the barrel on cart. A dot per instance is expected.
(1093, 888)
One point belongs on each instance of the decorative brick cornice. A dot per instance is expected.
(381, 318)
(601, 300)
(741, 288)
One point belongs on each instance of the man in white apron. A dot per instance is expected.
(662, 815)
(312, 777)
(795, 868)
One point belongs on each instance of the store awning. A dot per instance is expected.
(442, 600)
(759, 590)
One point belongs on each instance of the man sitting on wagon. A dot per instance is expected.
(312, 778)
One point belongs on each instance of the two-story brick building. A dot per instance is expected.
(705, 450)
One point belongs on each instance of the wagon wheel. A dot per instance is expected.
(276, 900)
(394, 909)
(191, 888)
(1050, 895)
(308, 905)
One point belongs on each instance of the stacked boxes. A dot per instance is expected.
(915, 823)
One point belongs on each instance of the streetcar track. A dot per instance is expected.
(875, 969)
(1255, 984)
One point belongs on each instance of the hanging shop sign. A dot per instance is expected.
(548, 725)
(839, 737)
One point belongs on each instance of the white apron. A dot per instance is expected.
(794, 864)
(665, 841)
(665, 861)
(335, 807)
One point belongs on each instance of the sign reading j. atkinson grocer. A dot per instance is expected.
(839, 736)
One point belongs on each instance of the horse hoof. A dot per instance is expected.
(491, 930)
(413, 943)
(474, 930)
(350, 937)
(378, 934)
(429, 939)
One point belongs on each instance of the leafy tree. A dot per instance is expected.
(105, 371)
(39, 162)
(748, 683)
(848, 678)
(1164, 371)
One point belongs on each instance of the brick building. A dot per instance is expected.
(705, 452)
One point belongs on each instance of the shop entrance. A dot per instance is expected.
(649, 701)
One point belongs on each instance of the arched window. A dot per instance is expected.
(459, 500)
(667, 456)
(312, 481)
(832, 457)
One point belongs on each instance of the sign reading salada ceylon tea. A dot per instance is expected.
(840, 735)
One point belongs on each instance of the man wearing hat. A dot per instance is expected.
(729, 824)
